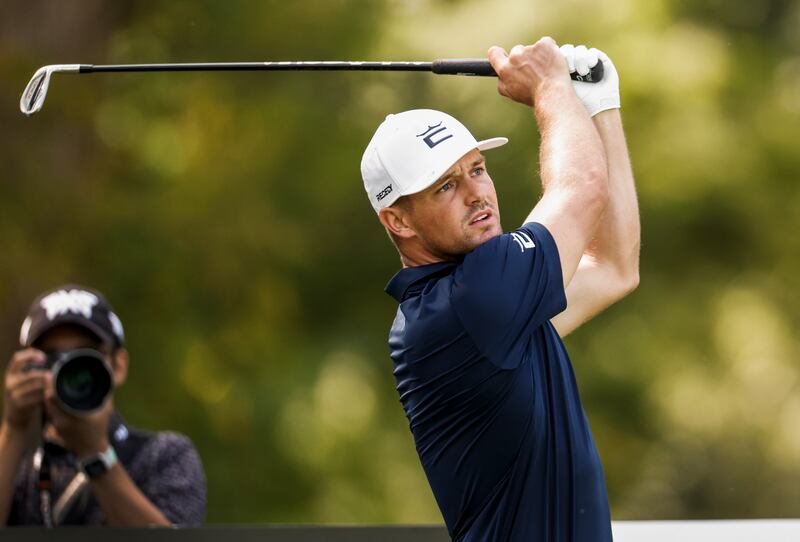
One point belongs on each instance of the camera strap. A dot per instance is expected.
(41, 465)
(55, 514)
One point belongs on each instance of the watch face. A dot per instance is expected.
(99, 464)
(95, 468)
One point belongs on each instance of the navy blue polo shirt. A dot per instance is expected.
(491, 397)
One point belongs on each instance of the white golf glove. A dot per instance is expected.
(596, 97)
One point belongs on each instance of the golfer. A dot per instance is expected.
(481, 370)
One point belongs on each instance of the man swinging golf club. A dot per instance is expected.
(482, 374)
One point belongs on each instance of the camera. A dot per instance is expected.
(82, 380)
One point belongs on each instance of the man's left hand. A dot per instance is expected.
(596, 97)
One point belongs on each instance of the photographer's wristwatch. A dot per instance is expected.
(99, 464)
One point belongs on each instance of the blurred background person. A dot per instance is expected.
(90, 467)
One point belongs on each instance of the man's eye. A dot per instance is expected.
(478, 171)
(445, 187)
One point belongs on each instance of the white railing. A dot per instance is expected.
(763, 530)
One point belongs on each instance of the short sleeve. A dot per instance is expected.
(506, 289)
(177, 484)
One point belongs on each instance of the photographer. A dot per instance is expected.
(90, 468)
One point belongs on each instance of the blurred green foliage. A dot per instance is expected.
(224, 217)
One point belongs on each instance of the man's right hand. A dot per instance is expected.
(527, 70)
(24, 388)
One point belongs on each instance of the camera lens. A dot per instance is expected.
(82, 380)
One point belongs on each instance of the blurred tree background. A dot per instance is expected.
(223, 215)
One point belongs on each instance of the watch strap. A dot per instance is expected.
(101, 463)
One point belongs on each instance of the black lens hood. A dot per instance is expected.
(89, 368)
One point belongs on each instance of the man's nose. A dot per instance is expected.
(475, 190)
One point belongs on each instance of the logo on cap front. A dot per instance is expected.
(72, 301)
(433, 131)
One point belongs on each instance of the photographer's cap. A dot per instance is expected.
(411, 150)
(72, 304)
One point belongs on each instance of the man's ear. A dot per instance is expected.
(119, 365)
(396, 220)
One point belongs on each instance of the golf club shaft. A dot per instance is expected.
(459, 66)
(35, 91)
(260, 66)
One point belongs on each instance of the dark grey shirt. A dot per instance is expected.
(165, 466)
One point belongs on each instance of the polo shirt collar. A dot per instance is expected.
(412, 280)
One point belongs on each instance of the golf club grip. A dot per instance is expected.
(482, 67)
(463, 66)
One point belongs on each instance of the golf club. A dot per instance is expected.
(35, 92)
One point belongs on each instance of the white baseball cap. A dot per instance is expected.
(410, 150)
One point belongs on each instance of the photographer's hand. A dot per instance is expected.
(23, 392)
(24, 388)
(123, 503)
(83, 435)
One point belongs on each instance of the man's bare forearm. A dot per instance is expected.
(617, 238)
(123, 504)
(12, 448)
(570, 147)
(609, 268)
(573, 173)
(609, 264)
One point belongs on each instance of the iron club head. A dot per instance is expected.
(35, 92)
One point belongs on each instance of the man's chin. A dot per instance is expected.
(480, 238)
